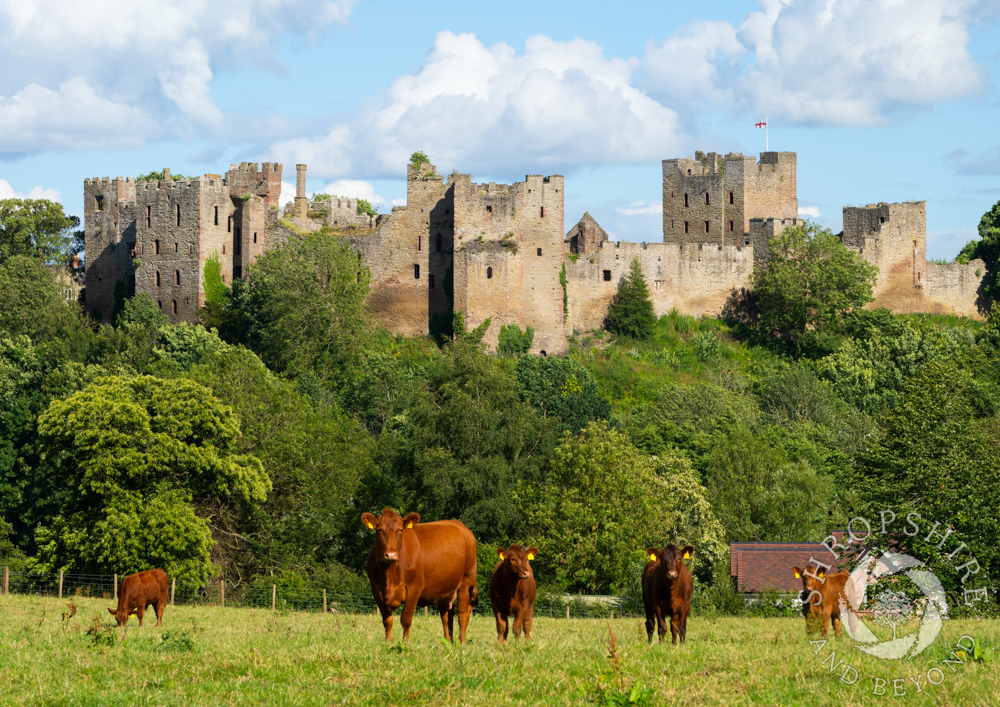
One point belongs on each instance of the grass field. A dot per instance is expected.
(213, 656)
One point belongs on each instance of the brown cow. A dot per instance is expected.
(512, 590)
(666, 591)
(821, 597)
(138, 591)
(415, 564)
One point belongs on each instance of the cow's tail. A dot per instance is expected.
(474, 595)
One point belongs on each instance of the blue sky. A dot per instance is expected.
(883, 100)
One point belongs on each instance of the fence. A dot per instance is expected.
(272, 596)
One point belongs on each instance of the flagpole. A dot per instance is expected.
(767, 142)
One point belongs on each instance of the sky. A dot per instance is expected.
(883, 100)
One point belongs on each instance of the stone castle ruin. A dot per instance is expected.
(498, 251)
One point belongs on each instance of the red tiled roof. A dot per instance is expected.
(759, 566)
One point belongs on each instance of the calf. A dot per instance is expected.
(821, 598)
(138, 591)
(666, 591)
(415, 564)
(512, 591)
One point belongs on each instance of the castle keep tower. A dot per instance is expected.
(712, 199)
(155, 236)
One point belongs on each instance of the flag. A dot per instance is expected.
(761, 124)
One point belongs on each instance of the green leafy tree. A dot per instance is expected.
(563, 389)
(32, 304)
(936, 458)
(365, 207)
(142, 311)
(811, 281)
(987, 249)
(418, 158)
(604, 502)
(137, 453)
(303, 307)
(21, 375)
(37, 228)
(211, 280)
(631, 311)
(157, 175)
(511, 341)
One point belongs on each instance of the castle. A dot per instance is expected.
(498, 251)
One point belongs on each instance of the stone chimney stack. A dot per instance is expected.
(301, 204)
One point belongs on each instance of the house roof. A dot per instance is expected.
(760, 566)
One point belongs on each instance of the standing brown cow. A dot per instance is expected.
(138, 591)
(821, 598)
(415, 564)
(666, 591)
(512, 590)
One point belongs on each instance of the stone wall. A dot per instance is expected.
(105, 221)
(955, 289)
(247, 178)
(696, 279)
(892, 237)
(761, 233)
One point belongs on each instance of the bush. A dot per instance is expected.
(631, 311)
(512, 342)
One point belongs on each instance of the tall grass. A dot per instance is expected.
(213, 656)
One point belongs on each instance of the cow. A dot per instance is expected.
(415, 564)
(512, 590)
(137, 591)
(666, 591)
(821, 594)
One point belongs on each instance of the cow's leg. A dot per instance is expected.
(501, 627)
(140, 610)
(650, 624)
(406, 617)
(386, 621)
(444, 608)
(527, 622)
(835, 620)
(518, 622)
(683, 625)
(824, 619)
(661, 625)
(675, 626)
(161, 604)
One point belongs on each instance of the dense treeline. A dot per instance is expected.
(250, 446)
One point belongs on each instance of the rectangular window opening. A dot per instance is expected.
(149, 216)
(255, 237)
(707, 200)
(730, 197)
(607, 276)
(416, 271)
(99, 202)
(420, 242)
(686, 200)
(178, 214)
(156, 247)
(216, 215)
(542, 212)
(706, 226)
(732, 226)
(685, 227)
(538, 250)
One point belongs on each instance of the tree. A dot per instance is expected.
(303, 307)
(810, 281)
(143, 312)
(36, 228)
(631, 311)
(603, 503)
(365, 207)
(32, 304)
(512, 342)
(987, 249)
(137, 453)
(563, 389)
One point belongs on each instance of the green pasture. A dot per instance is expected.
(215, 656)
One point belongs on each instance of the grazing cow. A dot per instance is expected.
(415, 564)
(138, 591)
(821, 594)
(666, 591)
(512, 590)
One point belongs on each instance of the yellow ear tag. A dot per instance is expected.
(822, 574)
(371, 526)
(798, 576)
(502, 557)
(531, 555)
(687, 555)
(652, 557)
(409, 525)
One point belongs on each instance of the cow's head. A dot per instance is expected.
(388, 529)
(515, 559)
(812, 578)
(121, 615)
(671, 558)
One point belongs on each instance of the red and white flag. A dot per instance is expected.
(761, 124)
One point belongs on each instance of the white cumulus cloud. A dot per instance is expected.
(7, 192)
(641, 207)
(555, 106)
(809, 211)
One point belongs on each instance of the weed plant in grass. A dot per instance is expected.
(213, 656)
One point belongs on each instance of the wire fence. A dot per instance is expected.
(222, 593)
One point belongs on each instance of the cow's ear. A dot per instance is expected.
(688, 551)
(798, 572)
(821, 574)
(502, 552)
(111, 611)
(653, 553)
(532, 551)
(411, 520)
(368, 520)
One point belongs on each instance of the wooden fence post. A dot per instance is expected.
(116, 587)
(567, 612)
(6, 579)
(274, 595)
(612, 614)
(222, 592)
(173, 587)
(60, 583)
(324, 601)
